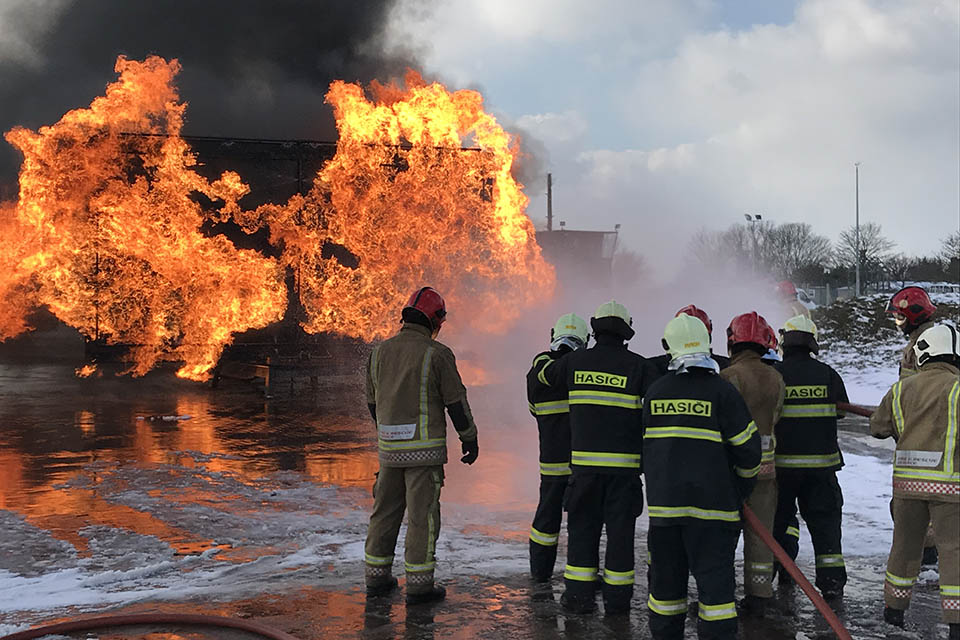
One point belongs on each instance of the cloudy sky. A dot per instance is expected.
(666, 116)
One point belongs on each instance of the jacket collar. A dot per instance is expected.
(685, 363)
(746, 354)
(940, 366)
(415, 328)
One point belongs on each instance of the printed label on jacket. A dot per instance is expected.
(397, 431)
(806, 392)
(600, 378)
(681, 407)
(927, 459)
(767, 443)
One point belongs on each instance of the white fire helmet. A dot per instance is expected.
(685, 335)
(939, 340)
(570, 330)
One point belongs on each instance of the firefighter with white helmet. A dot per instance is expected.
(701, 453)
(749, 338)
(549, 406)
(808, 456)
(605, 386)
(921, 413)
(411, 380)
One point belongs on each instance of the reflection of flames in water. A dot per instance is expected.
(110, 240)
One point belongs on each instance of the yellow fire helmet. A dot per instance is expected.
(686, 335)
(612, 318)
(613, 309)
(800, 323)
(572, 325)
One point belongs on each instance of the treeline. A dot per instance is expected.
(792, 251)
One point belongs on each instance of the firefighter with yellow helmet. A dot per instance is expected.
(549, 405)
(605, 385)
(701, 453)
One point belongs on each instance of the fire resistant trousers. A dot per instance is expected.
(415, 490)
(594, 501)
(545, 531)
(708, 553)
(818, 495)
(910, 517)
(757, 558)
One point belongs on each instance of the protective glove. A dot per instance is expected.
(470, 450)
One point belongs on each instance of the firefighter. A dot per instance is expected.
(411, 379)
(701, 452)
(605, 386)
(789, 296)
(549, 406)
(921, 413)
(808, 456)
(749, 337)
(661, 362)
(913, 311)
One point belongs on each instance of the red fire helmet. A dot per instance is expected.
(912, 303)
(427, 301)
(787, 290)
(695, 312)
(751, 327)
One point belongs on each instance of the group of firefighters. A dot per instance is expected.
(708, 434)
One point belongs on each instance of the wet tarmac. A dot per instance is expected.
(130, 496)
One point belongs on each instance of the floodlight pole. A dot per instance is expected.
(856, 166)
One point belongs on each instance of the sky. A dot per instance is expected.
(668, 116)
(662, 116)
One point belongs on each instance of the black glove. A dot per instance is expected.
(470, 450)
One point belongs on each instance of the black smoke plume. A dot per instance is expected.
(251, 68)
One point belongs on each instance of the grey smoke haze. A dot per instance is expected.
(251, 68)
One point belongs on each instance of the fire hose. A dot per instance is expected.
(100, 622)
(866, 412)
(795, 573)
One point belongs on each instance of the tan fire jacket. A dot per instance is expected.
(762, 388)
(411, 378)
(908, 361)
(920, 412)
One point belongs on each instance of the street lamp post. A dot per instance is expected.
(856, 167)
(751, 219)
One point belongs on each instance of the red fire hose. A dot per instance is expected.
(100, 622)
(866, 412)
(794, 572)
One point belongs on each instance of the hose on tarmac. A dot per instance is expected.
(866, 412)
(795, 573)
(102, 622)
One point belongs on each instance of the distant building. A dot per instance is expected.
(583, 257)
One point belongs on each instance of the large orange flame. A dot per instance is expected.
(106, 232)
(120, 253)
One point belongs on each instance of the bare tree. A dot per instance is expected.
(898, 266)
(793, 247)
(950, 248)
(628, 267)
(875, 248)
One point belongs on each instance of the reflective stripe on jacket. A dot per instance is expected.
(549, 405)
(411, 378)
(921, 413)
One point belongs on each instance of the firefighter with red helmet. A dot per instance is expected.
(921, 413)
(749, 338)
(701, 453)
(605, 385)
(913, 312)
(789, 296)
(808, 456)
(663, 361)
(411, 380)
(549, 405)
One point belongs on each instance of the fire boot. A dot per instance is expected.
(930, 557)
(434, 595)
(580, 603)
(384, 588)
(954, 631)
(893, 616)
(755, 605)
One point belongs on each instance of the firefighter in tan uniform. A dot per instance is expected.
(913, 311)
(411, 380)
(921, 413)
(789, 296)
(749, 337)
